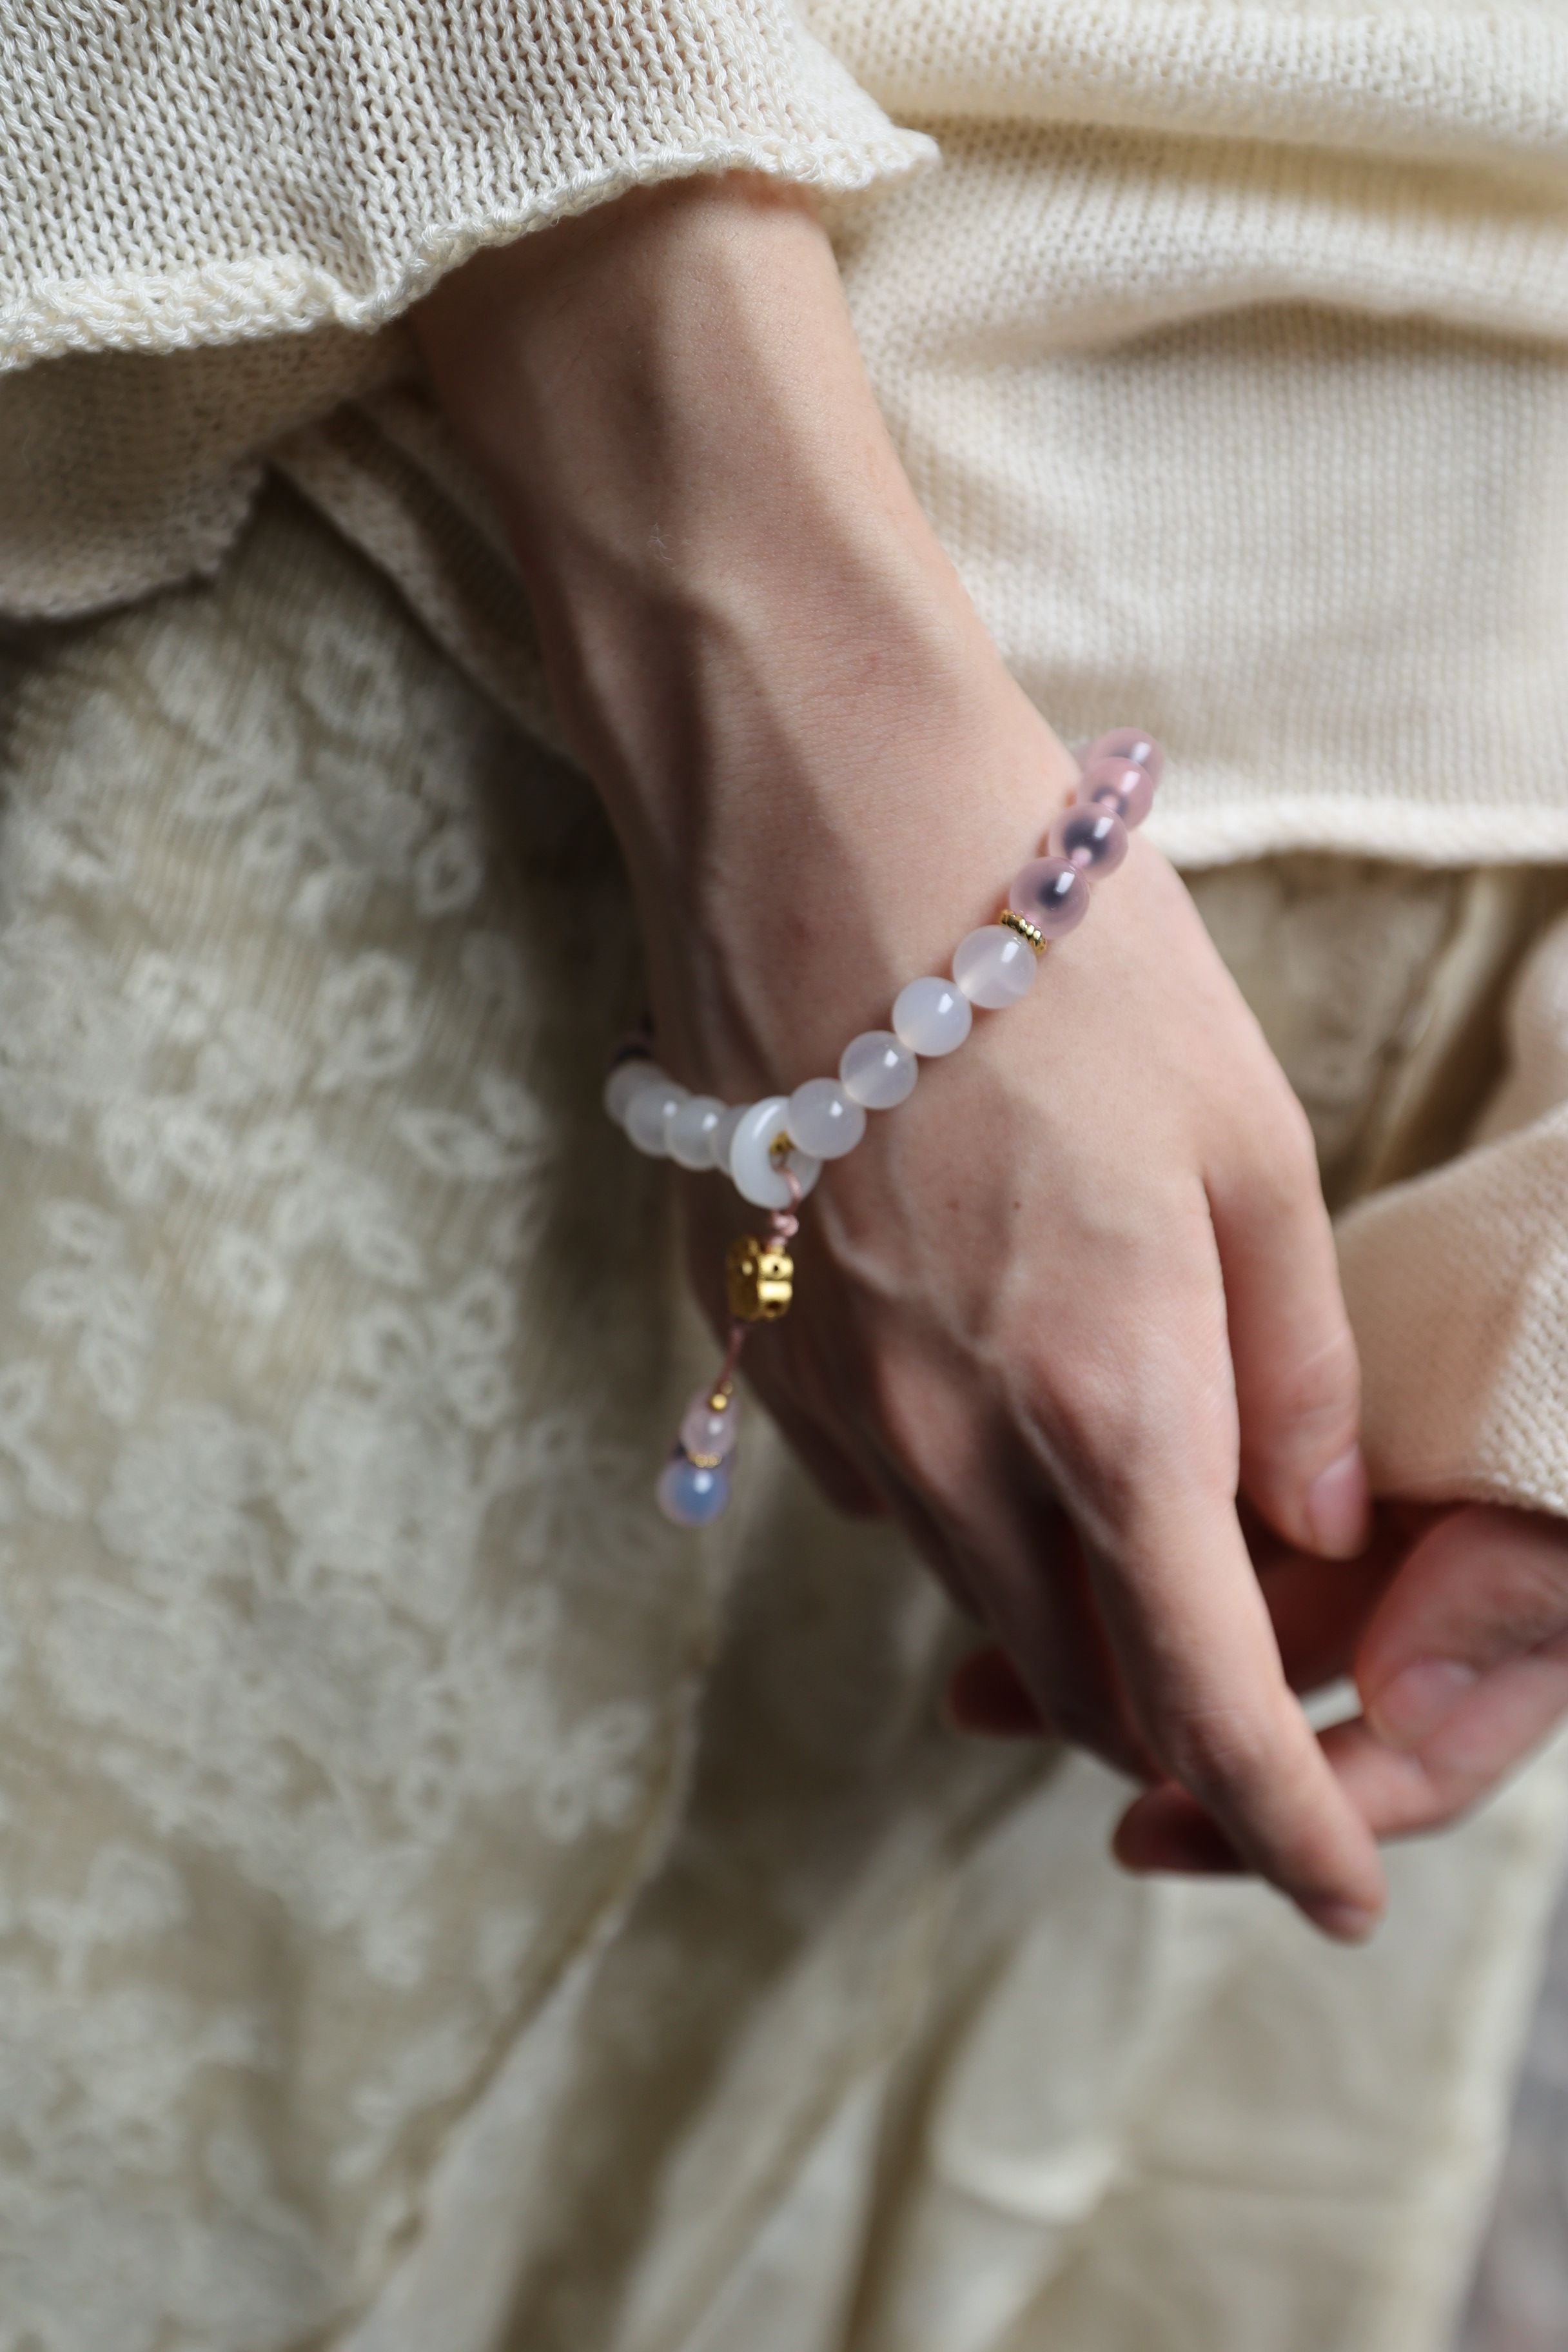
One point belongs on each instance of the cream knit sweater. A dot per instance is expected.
(1226, 350)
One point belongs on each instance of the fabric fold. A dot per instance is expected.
(1451, 82)
(1463, 1273)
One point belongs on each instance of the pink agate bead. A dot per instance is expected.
(1121, 786)
(1052, 893)
(709, 1431)
(1091, 836)
(1128, 743)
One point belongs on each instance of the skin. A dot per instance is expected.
(1077, 1297)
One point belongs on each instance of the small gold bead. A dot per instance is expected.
(759, 1280)
(1025, 929)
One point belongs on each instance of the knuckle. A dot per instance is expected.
(1221, 1755)
(1120, 1430)
(1317, 1390)
(1278, 1156)
(1289, 1148)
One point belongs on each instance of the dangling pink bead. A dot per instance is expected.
(1121, 786)
(1128, 743)
(1052, 893)
(708, 1431)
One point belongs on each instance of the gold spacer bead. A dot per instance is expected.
(1025, 929)
(759, 1280)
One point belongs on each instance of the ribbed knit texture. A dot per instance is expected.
(1446, 79)
(215, 170)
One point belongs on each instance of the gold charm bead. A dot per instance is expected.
(1025, 929)
(759, 1280)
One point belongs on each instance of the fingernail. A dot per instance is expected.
(1408, 1709)
(1347, 1922)
(1339, 1507)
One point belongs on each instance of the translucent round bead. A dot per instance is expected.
(622, 1085)
(752, 1167)
(823, 1120)
(932, 1017)
(690, 1494)
(993, 967)
(723, 1136)
(691, 1130)
(708, 1431)
(1091, 836)
(1119, 784)
(878, 1070)
(654, 1102)
(1130, 743)
(1052, 893)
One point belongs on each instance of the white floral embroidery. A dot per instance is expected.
(95, 1296)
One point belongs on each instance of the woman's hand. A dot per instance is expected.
(1058, 1309)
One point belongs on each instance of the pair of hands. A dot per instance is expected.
(1079, 1296)
(1454, 1625)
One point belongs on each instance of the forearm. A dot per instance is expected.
(761, 652)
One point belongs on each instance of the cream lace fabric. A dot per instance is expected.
(346, 1672)
(437, 1905)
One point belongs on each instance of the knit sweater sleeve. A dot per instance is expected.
(1457, 1287)
(207, 172)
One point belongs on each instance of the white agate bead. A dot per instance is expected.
(932, 1017)
(823, 1120)
(691, 1130)
(878, 1070)
(723, 1136)
(751, 1169)
(622, 1085)
(994, 967)
(654, 1102)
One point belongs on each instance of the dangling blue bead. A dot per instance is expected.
(689, 1494)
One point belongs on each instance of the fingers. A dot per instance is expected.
(1191, 1635)
(1463, 1669)
(1297, 1377)
(1155, 1432)
(1027, 1565)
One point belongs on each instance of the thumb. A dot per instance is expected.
(1468, 1649)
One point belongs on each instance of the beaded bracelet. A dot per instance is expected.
(774, 1150)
